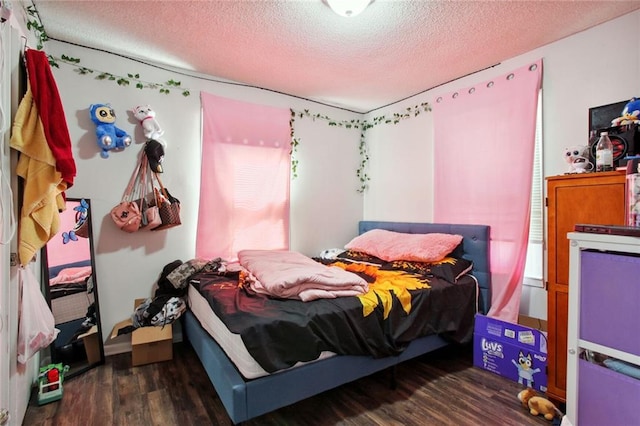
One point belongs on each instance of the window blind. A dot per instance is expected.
(536, 225)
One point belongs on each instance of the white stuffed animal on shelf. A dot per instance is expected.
(147, 118)
(578, 159)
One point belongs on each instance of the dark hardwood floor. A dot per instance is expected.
(442, 388)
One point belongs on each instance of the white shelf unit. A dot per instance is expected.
(604, 279)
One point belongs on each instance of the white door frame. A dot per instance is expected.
(6, 200)
(15, 396)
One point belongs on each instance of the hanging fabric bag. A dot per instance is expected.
(126, 215)
(168, 205)
(36, 325)
(149, 208)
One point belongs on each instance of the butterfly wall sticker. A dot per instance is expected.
(82, 210)
(82, 213)
(69, 236)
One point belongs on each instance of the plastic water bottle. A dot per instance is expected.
(604, 153)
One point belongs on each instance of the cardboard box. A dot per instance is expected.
(514, 351)
(91, 345)
(535, 323)
(151, 344)
(148, 344)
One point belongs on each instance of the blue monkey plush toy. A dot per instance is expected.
(109, 136)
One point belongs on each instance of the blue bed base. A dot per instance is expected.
(245, 399)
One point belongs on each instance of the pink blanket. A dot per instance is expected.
(292, 275)
(71, 275)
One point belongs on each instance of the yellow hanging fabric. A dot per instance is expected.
(43, 184)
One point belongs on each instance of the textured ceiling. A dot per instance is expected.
(394, 49)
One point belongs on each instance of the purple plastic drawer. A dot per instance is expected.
(606, 397)
(610, 300)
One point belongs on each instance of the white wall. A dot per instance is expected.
(596, 67)
(325, 192)
(325, 204)
(400, 169)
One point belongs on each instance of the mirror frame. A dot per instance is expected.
(76, 368)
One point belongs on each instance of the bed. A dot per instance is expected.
(70, 290)
(248, 398)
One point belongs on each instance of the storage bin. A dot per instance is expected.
(610, 300)
(606, 397)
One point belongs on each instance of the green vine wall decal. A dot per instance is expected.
(294, 146)
(165, 87)
(363, 125)
(35, 24)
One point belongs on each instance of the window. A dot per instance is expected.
(533, 271)
(244, 188)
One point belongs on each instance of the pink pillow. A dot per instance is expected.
(390, 246)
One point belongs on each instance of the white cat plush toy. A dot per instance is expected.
(578, 159)
(147, 118)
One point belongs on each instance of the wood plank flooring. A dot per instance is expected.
(442, 388)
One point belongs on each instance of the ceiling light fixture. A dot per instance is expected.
(348, 8)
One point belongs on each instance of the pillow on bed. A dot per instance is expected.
(359, 256)
(390, 246)
(449, 268)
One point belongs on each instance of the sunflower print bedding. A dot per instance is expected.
(404, 301)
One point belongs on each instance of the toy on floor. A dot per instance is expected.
(50, 380)
(109, 136)
(538, 405)
(147, 118)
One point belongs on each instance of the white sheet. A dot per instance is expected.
(230, 343)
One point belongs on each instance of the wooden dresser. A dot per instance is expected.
(596, 198)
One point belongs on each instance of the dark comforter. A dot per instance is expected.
(399, 307)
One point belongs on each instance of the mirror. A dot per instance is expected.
(71, 289)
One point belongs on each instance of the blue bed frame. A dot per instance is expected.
(245, 399)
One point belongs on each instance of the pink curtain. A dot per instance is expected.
(244, 188)
(484, 148)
